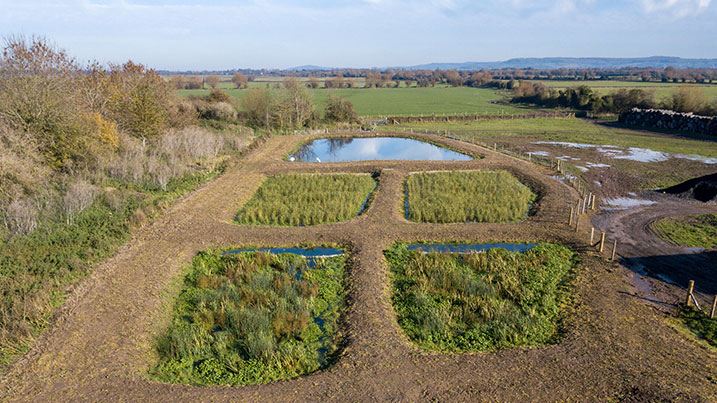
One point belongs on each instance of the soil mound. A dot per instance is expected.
(703, 188)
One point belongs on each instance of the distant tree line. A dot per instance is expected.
(583, 97)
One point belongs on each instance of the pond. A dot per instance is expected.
(308, 253)
(373, 148)
(468, 248)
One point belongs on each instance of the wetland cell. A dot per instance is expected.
(373, 148)
(470, 248)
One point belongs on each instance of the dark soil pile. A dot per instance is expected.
(703, 188)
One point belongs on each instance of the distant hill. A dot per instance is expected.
(550, 63)
(309, 67)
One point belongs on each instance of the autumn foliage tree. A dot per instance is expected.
(340, 110)
(212, 81)
(240, 80)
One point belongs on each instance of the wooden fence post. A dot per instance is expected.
(577, 223)
(602, 242)
(614, 248)
(714, 307)
(690, 288)
(570, 223)
(592, 235)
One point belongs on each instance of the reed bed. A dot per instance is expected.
(460, 196)
(252, 318)
(479, 301)
(301, 199)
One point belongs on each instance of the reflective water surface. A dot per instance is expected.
(305, 252)
(373, 148)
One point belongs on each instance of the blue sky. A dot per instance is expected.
(223, 34)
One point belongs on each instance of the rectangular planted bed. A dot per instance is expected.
(305, 199)
(460, 302)
(466, 196)
(253, 317)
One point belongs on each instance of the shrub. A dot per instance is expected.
(340, 110)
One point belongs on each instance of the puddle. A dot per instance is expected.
(468, 248)
(665, 279)
(540, 153)
(373, 148)
(597, 165)
(584, 169)
(623, 203)
(696, 249)
(630, 153)
(641, 284)
(598, 183)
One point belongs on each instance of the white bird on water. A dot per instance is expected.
(317, 159)
(292, 159)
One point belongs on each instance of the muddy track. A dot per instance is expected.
(665, 266)
(102, 344)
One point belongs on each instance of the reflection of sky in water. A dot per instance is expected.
(378, 148)
(468, 248)
(630, 153)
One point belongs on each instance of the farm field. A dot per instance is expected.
(477, 196)
(307, 199)
(407, 101)
(661, 90)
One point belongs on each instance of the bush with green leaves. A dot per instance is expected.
(253, 317)
(301, 199)
(479, 301)
(460, 196)
(703, 326)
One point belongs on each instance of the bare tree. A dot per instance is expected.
(240, 80)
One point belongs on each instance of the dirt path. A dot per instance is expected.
(102, 345)
(664, 267)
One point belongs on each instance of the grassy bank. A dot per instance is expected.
(479, 301)
(482, 196)
(307, 199)
(252, 318)
(36, 269)
(704, 327)
(689, 231)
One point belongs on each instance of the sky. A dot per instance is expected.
(223, 34)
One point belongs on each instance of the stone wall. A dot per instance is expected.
(665, 119)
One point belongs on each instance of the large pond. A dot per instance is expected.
(373, 148)
(468, 248)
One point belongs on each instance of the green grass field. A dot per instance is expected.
(480, 196)
(298, 199)
(661, 90)
(252, 318)
(571, 130)
(690, 231)
(479, 301)
(407, 101)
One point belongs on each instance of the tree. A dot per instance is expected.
(314, 83)
(295, 109)
(688, 99)
(240, 80)
(212, 81)
(340, 110)
(259, 105)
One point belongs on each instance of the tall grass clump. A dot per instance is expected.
(479, 301)
(691, 231)
(480, 196)
(253, 318)
(301, 199)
